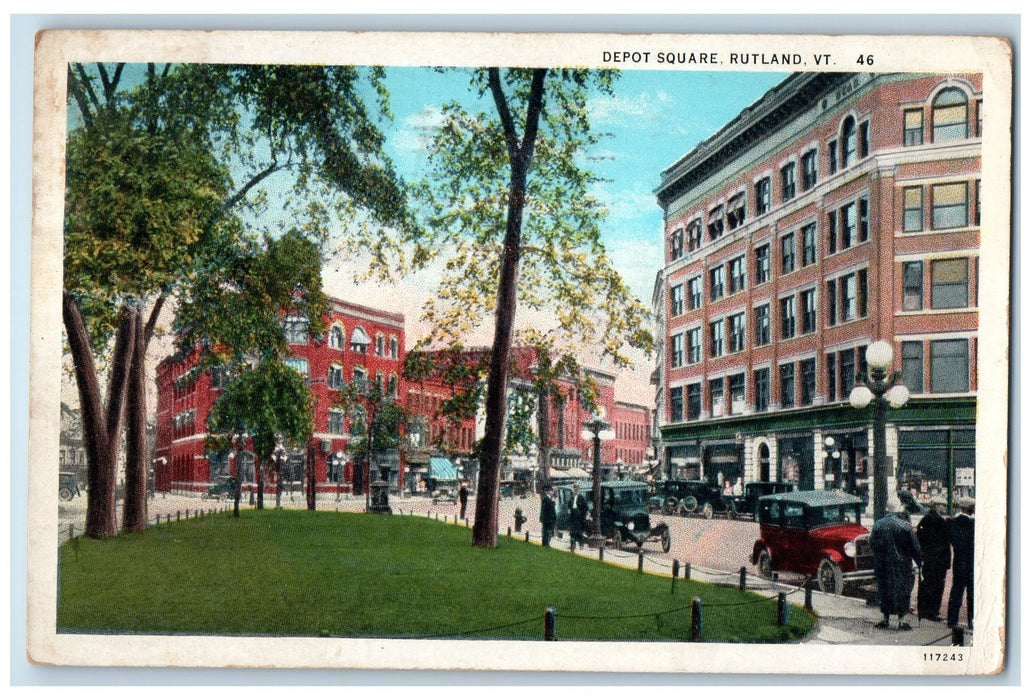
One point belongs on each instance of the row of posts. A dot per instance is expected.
(198, 512)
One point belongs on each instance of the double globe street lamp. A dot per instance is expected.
(597, 429)
(882, 390)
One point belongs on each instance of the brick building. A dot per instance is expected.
(359, 342)
(837, 210)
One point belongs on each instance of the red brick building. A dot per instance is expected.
(359, 342)
(837, 210)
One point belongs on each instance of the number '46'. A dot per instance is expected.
(865, 60)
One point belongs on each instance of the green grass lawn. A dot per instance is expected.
(295, 572)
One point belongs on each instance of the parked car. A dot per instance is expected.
(624, 514)
(67, 486)
(223, 488)
(445, 495)
(680, 496)
(746, 504)
(814, 533)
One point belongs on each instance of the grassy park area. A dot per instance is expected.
(295, 572)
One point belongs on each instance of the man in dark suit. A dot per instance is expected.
(961, 534)
(933, 535)
(548, 516)
(463, 499)
(577, 517)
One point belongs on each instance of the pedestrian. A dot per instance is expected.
(548, 516)
(577, 517)
(895, 548)
(961, 535)
(463, 499)
(933, 535)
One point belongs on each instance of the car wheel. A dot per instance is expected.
(765, 563)
(65, 494)
(666, 540)
(707, 511)
(688, 505)
(829, 577)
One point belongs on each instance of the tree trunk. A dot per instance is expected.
(260, 474)
(101, 426)
(279, 482)
(543, 439)
(309, 473)
(134, 509)
(485, 528)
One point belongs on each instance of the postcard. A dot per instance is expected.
(524, 352)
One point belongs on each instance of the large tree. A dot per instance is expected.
(510, 206)
(166, 172)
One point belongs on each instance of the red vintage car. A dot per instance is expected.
(814, 533)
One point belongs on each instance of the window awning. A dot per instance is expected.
(442, 469)
(360, 337)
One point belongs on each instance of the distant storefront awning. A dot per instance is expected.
(443, 469)
(576, 473)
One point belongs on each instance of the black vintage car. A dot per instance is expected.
(746, 505)
(624, 514)
(680, 496)
(223, 488)
(67, 486)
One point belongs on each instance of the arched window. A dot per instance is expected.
(295, 328)
(848, 142)
(950, 115)
(336, 337)
(393, 347)
(360, 340)
(380, 346)
(763, 455)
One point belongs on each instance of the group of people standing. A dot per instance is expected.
(578, 509)
(936, 545)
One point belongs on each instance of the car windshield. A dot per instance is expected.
(621, 498)
(832, 515)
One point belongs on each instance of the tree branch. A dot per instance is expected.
(85, 377)
(148, 331)
(533, 112)
(507, 123)
(87, 85)
(75, 87)
(242, 192)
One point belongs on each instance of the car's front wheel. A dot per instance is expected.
(669, 506)
(666, 540)
(688, 505)
(765, 563)
(65, 494)
(707, 511)
(829, 577)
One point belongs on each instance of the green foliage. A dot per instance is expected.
(376, 417)
(464, 373)
(520, 436)
(281, 574)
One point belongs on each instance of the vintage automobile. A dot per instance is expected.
(746, 504)
(445, 494)
(624, 514)
(67, 486)
(814, 533)
(689, 498)
(223, 488)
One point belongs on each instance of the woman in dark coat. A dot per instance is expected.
(895, 548)
(933, 535)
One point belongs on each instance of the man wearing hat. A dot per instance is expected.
(933, 535)
(895, 548)
(548, 515)
(961, 534)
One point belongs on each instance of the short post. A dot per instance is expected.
(743, 583)
(687, 571)
(676, 572)
(782, 609)
(696, 619)
(640, 561)
(549, 624)
(467, 522)
(601, 553)
(177, 516)
(509, 531)
(957, 636)
(808, 595)
(71, 531)
(527, 535)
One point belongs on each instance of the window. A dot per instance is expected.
(360, 340)
(864, 139)
(787, 182)
(913, 365)
(949, 115)
(950, 366)
(298, 364)
(762, 264)
(832, 303)
(832, 232)
(219, 377)
(737, 393)
(716, 339)
(358, 376)
(694, 293)
(979, 117)
(832, 156)
(848, 142)
(357, 421)
(335, 379)
(716, 283)
(949, 205)
(295, 329)
(335, 424)
(808, 245)
(736, 211)
(787, 386)
(977, 203)
(787, 317)
(849, 298)
(913, 127)
(848, 226)
(380, 345)
(694, 346)
(762, 196)
(676, 244)
(694, 401)
(737, 332)
(863, 231)
(336, 337)
(392, 385)
(912, 286)
(832, 374)
(913, 209)
(807, 368)
(737, 274)
(787, 254)
(848, 372)
(393, 347)
(716, 223)
(808, 298)
(761, 381)
(676, 300)
(716, 397)
(694, 234)
(676, 350)
(809, 170)
(676, 403)
(949, 283)
(762, 325)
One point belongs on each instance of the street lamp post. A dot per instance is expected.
(883, 390)
(278, 455)
(597, 430)
(338, 464)
(240, 442)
